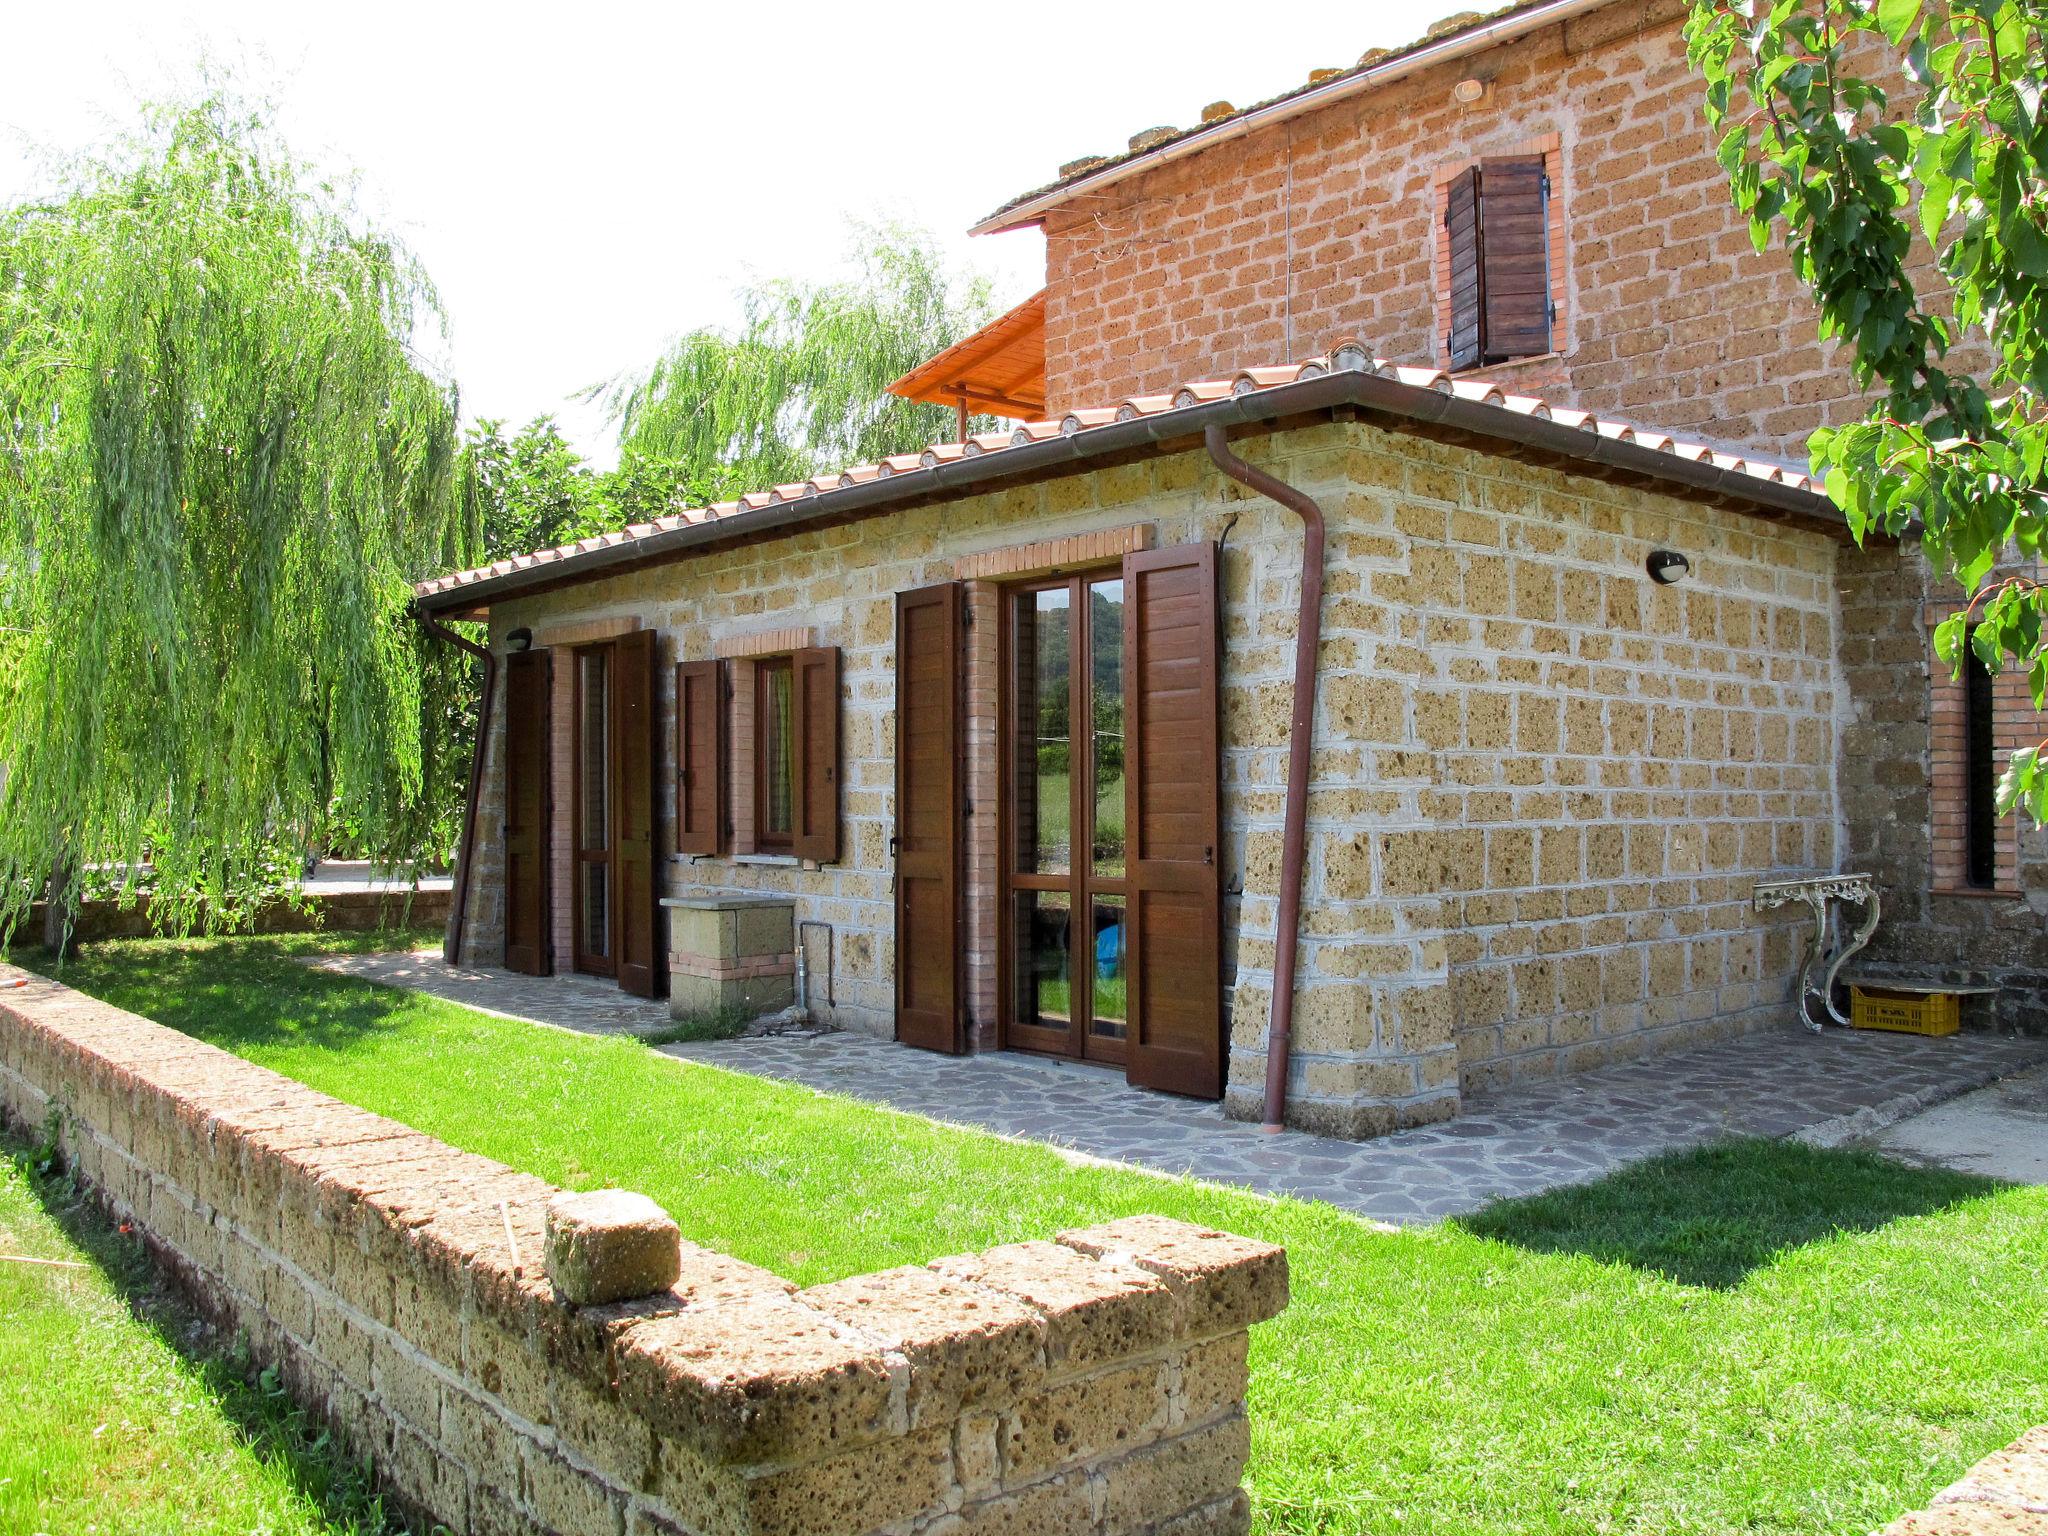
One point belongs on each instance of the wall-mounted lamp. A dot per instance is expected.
(519, 640)
(1469, 91)
(1667, 567)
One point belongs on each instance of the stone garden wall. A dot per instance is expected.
(1091, 1384)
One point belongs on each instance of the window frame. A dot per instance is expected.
(765, 838)
(732, 734)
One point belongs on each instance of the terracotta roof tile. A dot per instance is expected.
(1347, 357)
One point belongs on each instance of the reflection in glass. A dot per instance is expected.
(1112, 970)
(1044, 970)
(595, 739)
(778, 750)
(1106, 728)
(1044, 754)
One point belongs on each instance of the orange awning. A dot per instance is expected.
(998, 371)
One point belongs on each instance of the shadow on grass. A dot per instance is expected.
(238, 992)
(253, 1403)
(1711, 1215)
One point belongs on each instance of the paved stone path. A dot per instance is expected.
(1521, 1141)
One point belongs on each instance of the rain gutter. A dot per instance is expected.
(1077, 450)
(1308, 644)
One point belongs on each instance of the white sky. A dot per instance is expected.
(585, 180)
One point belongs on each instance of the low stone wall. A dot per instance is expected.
(2005, 1494)
(322, 912)
(1091, 1384)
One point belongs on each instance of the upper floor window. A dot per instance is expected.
(1498, 300)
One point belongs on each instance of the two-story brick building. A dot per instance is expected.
(1011, 726)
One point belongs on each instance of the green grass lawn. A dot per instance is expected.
(1754, 1338)
(115, 1417)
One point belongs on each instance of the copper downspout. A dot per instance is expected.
(451, 944)
(1308, 637)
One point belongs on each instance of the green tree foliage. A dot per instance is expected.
(801, 384)
(1854, 180)
(531, 491)
(221, 466)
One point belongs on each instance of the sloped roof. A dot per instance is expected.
(1000, 369)
(1454, 36)
(1413, 399)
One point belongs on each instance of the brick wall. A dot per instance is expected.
(1891, 738)
(1543, 786)
(1325, 227)
(1095, 1384)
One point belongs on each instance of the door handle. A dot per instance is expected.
(1209, 855)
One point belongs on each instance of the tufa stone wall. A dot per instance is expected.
(2005, 1494)
(1542, 787)
(1093, 1384)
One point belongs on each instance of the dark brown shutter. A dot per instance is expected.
(700, 757)
(1172, 762)
(633, 880)
(814, 685)
(1514, 246)
(528, 679)
(1461, 218)
(928, 805)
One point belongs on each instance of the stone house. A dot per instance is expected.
(1002, 732)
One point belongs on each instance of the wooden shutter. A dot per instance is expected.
(1172, 764)
(634, 887)
(1514, 253)
(814, 684)
(528, 685)
(1461, 219)
(700, 757)
(929, 800)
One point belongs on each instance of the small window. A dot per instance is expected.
(780, 717)
(1497, 272)
(775, 764)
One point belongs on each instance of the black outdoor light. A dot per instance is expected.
(522, 640)
(1667, 566)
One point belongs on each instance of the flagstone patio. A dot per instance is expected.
(1828, 1088)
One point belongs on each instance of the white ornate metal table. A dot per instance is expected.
(1819, 893)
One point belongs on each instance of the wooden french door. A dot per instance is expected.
(613, 903)
(528, 675)
(1111, 896)
(929, 806)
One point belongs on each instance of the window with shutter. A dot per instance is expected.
(783, 740)
(1497, 262)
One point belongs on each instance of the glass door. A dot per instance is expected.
(1065, 960)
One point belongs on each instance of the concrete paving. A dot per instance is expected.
(1822, 1087)
(2001, 1131)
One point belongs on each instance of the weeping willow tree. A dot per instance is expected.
(221, 464)
(801, 384)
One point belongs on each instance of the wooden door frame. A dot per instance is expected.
(580, 960)
(1079, 884)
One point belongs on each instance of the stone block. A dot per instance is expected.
(966, 1344)
(1059, 1506)
(1085, 1418)
(2016, 1476)
(757, 1379)
(1096, 1312)
(1223, 1283)
(1176, 1476)
(610, 1245)
(858, 1490)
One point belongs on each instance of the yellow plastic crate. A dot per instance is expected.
(1912, 1013)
